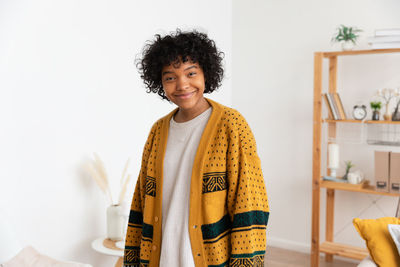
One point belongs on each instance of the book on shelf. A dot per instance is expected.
(334, 179)
(387, 32)
(332, 113)
(383, 39)
(335, 106)
(385, 45)
(339, 104)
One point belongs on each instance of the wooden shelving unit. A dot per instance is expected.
(329, 247)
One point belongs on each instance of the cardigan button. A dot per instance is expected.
(194, 226)
(156, 219)
(154, 248)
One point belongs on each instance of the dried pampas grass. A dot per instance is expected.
(98, 172)
(125, 178)
(123, 189)
(92, 170)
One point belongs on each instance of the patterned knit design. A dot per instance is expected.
(232, 197)
(139, 233)
(214, 181)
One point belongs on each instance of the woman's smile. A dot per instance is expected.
(186, 95)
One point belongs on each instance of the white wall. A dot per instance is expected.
(69, 87)
(273, 46)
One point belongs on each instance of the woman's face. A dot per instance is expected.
(184, 84)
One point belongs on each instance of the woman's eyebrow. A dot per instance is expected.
(188, 68)
(166, 72)
(191, 67)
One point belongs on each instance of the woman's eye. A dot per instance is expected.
(192, 73)
(167, 79)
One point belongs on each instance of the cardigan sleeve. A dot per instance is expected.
(247, 198)
(135, 223)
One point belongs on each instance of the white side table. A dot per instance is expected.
(108, 247)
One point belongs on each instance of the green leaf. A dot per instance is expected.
(345, 33)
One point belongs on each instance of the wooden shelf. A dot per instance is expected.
(352, 188)
(359, 52)
(344, 250)
(358, 121)
(329, 247)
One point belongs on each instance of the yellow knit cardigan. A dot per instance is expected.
(228, 202)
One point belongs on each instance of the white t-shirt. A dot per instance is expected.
(183, 140)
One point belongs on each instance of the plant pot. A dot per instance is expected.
(115, 223)
(347, 45)
(375, 115)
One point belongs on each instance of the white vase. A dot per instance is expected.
(388, 115)
(347, 45)
(115, 223)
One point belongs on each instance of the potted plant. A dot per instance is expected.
(347, 36)
(114, 213)
(375, 106)
(349, 165)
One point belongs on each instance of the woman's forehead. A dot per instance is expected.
(177, 64)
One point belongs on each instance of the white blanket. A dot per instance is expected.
(29, 257)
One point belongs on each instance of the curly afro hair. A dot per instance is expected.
(177, 47)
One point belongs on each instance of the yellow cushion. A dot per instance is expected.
(379, 242)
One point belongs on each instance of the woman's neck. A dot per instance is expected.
(184, 115)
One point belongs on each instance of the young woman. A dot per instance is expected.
(200, 198)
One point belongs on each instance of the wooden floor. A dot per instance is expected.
(277, 257)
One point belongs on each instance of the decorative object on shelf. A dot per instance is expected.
(359, 112)
(349, 165)
(375, 106)
(347, 36)
(387, 94)
(355, 177)
(114, 215)
(396, 113)
(333, 158)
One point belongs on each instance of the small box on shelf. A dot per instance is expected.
(394, 172)
(382, 167)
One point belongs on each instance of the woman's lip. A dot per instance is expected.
(187, 95)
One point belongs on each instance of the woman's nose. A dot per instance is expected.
(182, 84)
